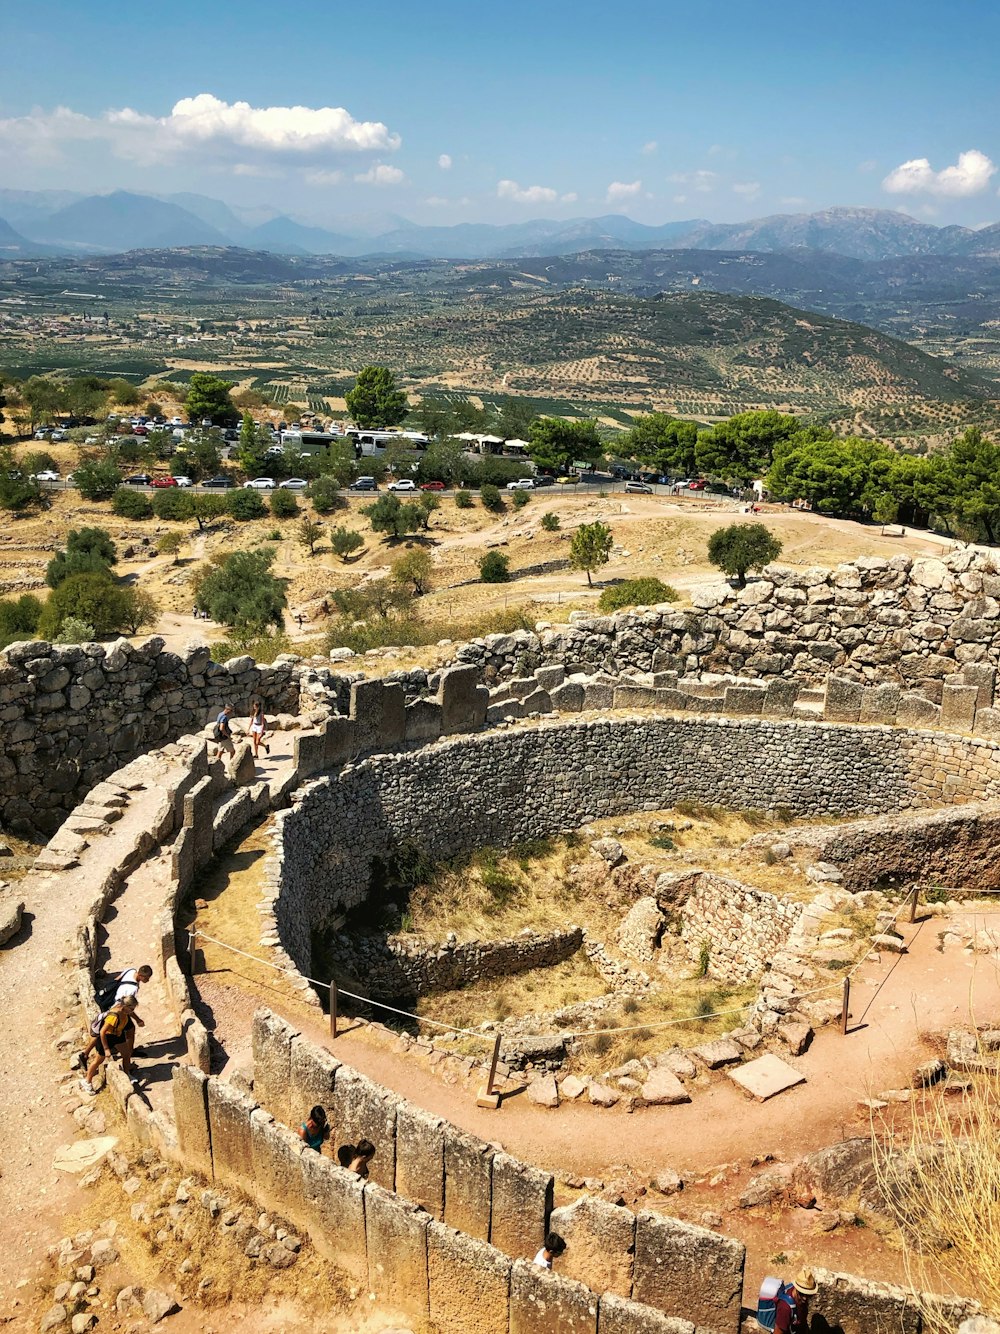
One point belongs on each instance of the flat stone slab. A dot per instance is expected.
(723, 1051)
(766, 1076)
(664, 1089)
(83, 1154)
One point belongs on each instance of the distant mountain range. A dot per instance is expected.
(56, 221)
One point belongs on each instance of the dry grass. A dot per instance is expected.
(941, 1177)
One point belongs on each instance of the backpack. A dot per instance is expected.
(772, 1291)
(105, 998)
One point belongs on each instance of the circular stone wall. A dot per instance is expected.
(505, 787)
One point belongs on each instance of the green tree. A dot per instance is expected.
(426, 506)
(338, 462)
(208, 397)
(95, 598)
(169, 544)
(283, 504)
(515, 418)
(126, 395)
(324, 494)
(241, 591)
(557, 444)
(463, 500)
(129, 504)
(19, 618)
(662, 442)
(97, 479)
(252, 452)
(742, 447)
(377, 597)
(414, 571)
(742, 547)
(494, 568)
(309, 532)
(590, 547)
(388, 515)
(644, 592)
(375, 401)
(206, 507)
(87, 550)
(490, 497)
(245, 504)
(43, 398)
(200, 456)
(86, 396)
(344, 541)
(18, 492)
(173, 503)
(34, 461)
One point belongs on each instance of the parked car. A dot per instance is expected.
(567, 481)
(639, 487)
(522, 484)
(219, 483)
(432, 486)
(44, 432)
(364, 484)
(163, 481)
(543, 479)
(698, 485)
(59, 433)
(260, 484)
(402, 484)
(294, 484)
(183, 481)
(138, 479)
(50, 475)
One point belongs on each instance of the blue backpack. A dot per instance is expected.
(773, 1291)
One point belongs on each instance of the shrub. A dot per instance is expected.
(241, 591)
(74, 631)
(129, 504)
(169, 544)
(262, 646)
(519, 499)
(550, 522)
(491, 497)
(96, 600)
(245, 504)
(283, 504)
(388, 515)
(18, 618)
(742, 547)
(87, 551)
(463, 500)
(414, 571)
(97, 479)
(308, 533)
(494, 568)
(704, 957)
(324, 494)
(173, 503)
(645, 592)
(345, 540)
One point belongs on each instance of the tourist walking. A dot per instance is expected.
(258, 727)
(315, 1129)
(784, 1307)
(553, 1248)
(356, 1157)
(125, 983)
(222, 733)
(115, 1033)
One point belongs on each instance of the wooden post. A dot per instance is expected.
(333, 1009)
(192, 936)
(493, 1065)
(844, 1013)
(487, 1096)
(913, 903)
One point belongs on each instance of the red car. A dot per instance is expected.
(164, 481)
(698, 485)
(432, 486)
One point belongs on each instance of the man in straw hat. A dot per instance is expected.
(793, 1312)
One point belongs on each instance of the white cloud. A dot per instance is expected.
(968, 176)
(255, 169)
(528, 194)
(702, 180)
(748, 189)
(650, 147)
(379, 173)
(444, 162)
(571, 198)
(622, 190)
(323, 177)
(203, 124)
(680, 199)
(792, 201)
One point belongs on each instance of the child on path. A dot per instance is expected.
(553, 1248)
(222, 733)
(315, 1129)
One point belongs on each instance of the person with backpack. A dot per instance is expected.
(784, 1307)
(222, 733)
(125, 983)
(113, 1032)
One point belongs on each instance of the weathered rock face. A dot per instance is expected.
(906, 622)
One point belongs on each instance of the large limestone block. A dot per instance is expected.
(364, 1110)
(420, 1158)
(190, 1090)
(543, 1300)
(423, 720)
(843, 700)
(958, 707)
(600, 1244)
(744, 701)
(689, 1272)
(458, 694)
(272, 1040)
(378, 711)
(468, 1174)
(618, 1315)
(229, 1118)
(522, 1202)
(858, 1306)
(468, 1283)
(880, 704)
(339, 743)
(277, 1168)
(335, 1214)
(312, 1075)
(396, 1238)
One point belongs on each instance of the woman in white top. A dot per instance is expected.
(258, 727)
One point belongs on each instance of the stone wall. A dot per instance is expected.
(400, 967)
(742, 928)
(908, 622)
(503, 788)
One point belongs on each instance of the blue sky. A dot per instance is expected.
(447, 112)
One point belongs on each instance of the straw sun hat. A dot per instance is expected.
(805, 1283)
